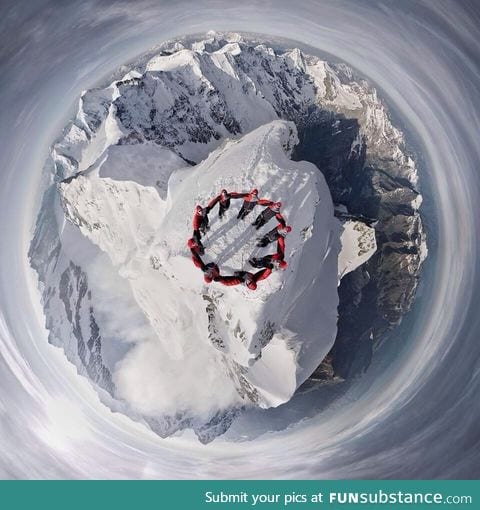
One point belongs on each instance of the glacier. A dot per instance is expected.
(121, 296)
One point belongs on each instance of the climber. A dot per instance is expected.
(249, 279)
(224, 201)
(280, 231)
(196, 245)
(263, 274)
(281, 247)
(238, 278)
(250, 201)
(197, 239)
(196, 250)
(211, 273)
(268, 213)
(200, 221)
(273, 261)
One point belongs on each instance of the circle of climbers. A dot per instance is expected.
(266, 264)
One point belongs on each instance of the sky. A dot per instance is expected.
(415, 417)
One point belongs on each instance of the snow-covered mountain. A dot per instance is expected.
(267, 350)
(120, 293)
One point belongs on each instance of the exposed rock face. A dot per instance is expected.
(74, 291)
(370, 174)
(173, 109)
(67, 299)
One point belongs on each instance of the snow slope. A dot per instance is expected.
(256, 346)
(358, 245)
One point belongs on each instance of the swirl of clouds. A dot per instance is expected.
(415, 413)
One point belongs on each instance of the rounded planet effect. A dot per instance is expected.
(415, 412)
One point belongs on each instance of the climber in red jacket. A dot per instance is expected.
(196, 249)
(273, 261)
(249, 279)
(262, 274)
(250, 201)
(281, 247)
(280, 231)
(196, 244)
(211, 272)
(268, 213)
(237, 279)
(223, 201)
(200, 221)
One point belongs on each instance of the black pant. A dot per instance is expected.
(261, 262)
(264, 217)
(199, 260)
(222, 207)
(267, 239)
(245, 210)
(198, 239)
(204, 225)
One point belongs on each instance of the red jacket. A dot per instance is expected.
(193, 244)
(274, 208)
(249, 279)
(237, 279)
(282, 230)
(280, 219)
(250, 197)
(197, 260)
(262, 274)
(213, 202)
(222, 200)
(278, 262)
(229, 281)
(281, 246)
(234, 194)
(198, 218)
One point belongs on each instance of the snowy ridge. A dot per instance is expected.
(358, 245)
